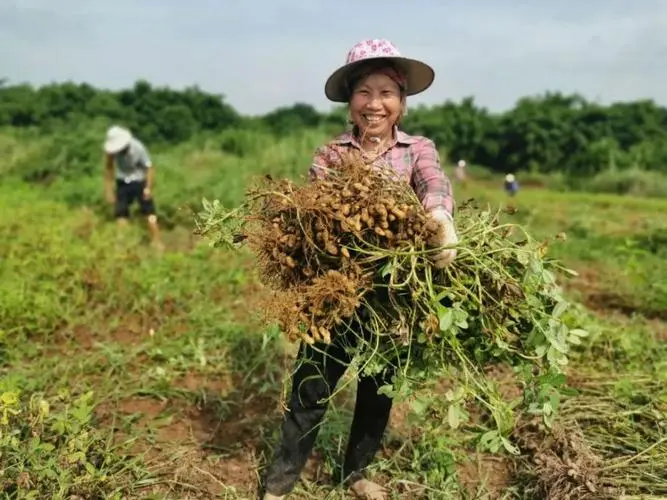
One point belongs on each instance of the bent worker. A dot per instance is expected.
(374, 83)
(134, 178)
(460, 171)
(511, 185)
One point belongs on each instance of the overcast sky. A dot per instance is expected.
(266, 53)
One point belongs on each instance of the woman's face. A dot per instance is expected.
(376, 105)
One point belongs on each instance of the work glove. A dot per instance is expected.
(445, 236)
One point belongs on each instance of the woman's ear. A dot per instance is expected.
(404, 111)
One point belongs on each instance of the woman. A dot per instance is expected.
(374, 83)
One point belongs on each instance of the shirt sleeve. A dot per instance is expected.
(432, 186)
(143, 158)
(324, 157)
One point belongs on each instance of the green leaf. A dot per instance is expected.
(461, 318)
(453, 416)
(560, 308)
(555, 357)
(419, 406)
(388, 390)
(569, 392)
(555, 379)
(51, 474)
(514, 450)
(90, 468)
(446, 318)
(502, 344)
(77, 456)
(490, 441)
(10, 398)
(387, 269)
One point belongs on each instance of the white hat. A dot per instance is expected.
(117, 139)
(419, 76)
(461, 163)
(509, 177)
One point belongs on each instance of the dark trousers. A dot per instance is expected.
(318, 371)
(129, 192)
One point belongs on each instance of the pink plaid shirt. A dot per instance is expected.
(414, 158)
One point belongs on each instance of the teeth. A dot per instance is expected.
(373, 118)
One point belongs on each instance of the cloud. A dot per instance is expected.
(266, 54)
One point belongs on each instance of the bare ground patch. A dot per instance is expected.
(601, 297)
(200, 451)
(484, 475)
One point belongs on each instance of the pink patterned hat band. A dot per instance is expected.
(379, 66)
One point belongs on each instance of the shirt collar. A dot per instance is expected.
(400, 138)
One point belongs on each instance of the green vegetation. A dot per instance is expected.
(560, 139)
(132, 374)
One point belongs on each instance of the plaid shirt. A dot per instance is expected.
(414, 158)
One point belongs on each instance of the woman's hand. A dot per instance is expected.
(445, 237)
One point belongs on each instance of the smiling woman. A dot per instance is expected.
(374, 82)
(377, 102)
(375, 76)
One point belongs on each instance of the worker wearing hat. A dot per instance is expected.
(511, 184)
(460, 171)
(374, 83)
(134, 175)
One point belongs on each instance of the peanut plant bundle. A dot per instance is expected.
(350, 253)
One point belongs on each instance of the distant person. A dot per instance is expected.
(460, 171)
(134, 176)
(511, 185)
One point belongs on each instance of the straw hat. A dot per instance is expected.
(117, 139)
(419, 75)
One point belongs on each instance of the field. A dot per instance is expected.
(128, 373)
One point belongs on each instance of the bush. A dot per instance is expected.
(633, 181)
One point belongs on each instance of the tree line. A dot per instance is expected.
(547, 133)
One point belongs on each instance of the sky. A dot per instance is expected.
(263, 54)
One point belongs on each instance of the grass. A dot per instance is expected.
(132, 374)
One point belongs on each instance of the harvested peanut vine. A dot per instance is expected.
(354, 248)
